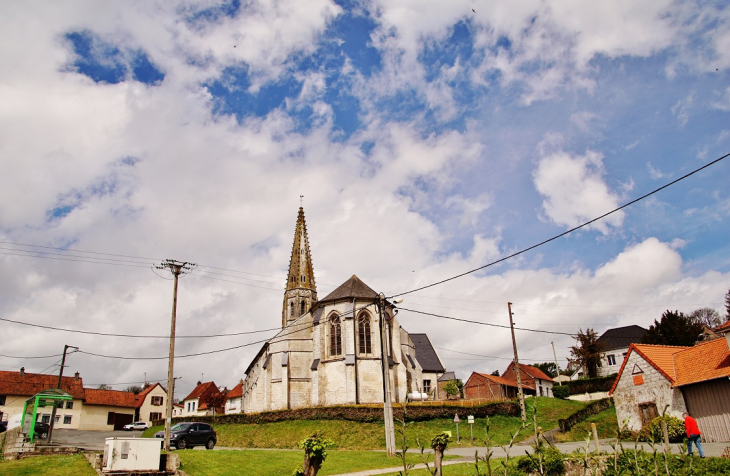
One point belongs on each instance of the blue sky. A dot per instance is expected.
(427, 138)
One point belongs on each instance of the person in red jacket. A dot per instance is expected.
(693, 434)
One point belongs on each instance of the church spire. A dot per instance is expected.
(301, 290)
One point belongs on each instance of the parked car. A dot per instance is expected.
(41, 430)
(137, 425)
(191, 434)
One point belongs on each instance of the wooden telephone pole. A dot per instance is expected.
(60, 378)
(520, 393)
(176, 268)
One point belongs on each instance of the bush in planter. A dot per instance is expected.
(561, 391)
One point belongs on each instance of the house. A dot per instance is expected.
(615, 345)
(490, 387)
(107, 409)
(205, 399)
(693, 379)
(431, 367)
(445, 378)
(177, 409)
(328, 351)
(17, 387)
(151, 403)
(234, 399)
(534, 380)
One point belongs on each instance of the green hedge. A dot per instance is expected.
(591, 409)
(357, 413)
(590, 385)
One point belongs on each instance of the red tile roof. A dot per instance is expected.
(203, 392)
(499, 380)
(706, 361)
(534, 372)
(723, 328)
(13, 383)
(658, 356)
(236, 392)
(143, 394)
(113, 398)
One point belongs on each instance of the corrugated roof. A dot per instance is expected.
(12, 383)
(426, 355)
(352, 288)
(706, 361)
(621, 337)
(114, 398)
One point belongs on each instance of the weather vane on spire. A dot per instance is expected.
(301, 201)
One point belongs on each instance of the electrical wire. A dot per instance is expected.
(76, 331)
(25, 357)
(76, 260)
(78, 251)
(564, 233)
(487, 323)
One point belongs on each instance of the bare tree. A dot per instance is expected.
(706, 316)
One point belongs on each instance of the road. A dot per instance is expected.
(89, 440)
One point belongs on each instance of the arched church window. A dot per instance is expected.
(363, 331)
(302, 308)
(304, 279)
(291, 311)
(335, 336)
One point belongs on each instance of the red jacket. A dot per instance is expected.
(690, 424)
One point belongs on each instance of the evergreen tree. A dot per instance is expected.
(675, 328)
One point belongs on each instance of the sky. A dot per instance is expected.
(427, 138)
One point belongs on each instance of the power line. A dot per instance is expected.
(487, 323)
(37, 357)
(76, 260)
(77, 251)
(564, 233)
(76, 331)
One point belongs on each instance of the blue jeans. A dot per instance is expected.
(696, 440)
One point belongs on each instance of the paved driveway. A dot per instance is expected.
(89, 440)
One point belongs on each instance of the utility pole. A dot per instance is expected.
(60, 377)
(557, 367)
(176, 268)
(387, 405)
(520, 393)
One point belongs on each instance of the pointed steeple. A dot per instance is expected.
(301, 289)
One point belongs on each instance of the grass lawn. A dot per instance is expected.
(349, 435)
(267, 463)
(606, 426)
(57, 465)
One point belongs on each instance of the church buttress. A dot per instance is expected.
(301, 289)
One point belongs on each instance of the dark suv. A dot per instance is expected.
(190, 434)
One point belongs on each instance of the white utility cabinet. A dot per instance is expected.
(131, 454)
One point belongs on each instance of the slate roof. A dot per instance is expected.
(706, 361)
(13, 383)
(352, 288)
(426, 355)
(621, 337)
(447, 376)
(114, 398)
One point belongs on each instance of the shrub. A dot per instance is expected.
(590, 385)
(653, 431)
(561, 391)
(552, 461)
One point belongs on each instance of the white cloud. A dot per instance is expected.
(574, 190)
(654, 173)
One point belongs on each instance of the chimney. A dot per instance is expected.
(22, 371)
(198, 382)
(76, 377)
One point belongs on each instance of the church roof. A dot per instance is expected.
(301, 270)
(426, 355)
(352, 288)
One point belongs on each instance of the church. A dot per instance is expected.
(328, 351)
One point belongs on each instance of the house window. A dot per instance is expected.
(157, 401)
(335, 336)
(611, 359)
(155, 416)
(69, 405)
(541, 391)
(56, 419)
(67, 419)
(426, 386)
(193, 406)
(46, 418)
(648, 412)
(363, 331)
(2, 399)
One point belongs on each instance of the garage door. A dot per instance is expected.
(709, 404)
(121, 419)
